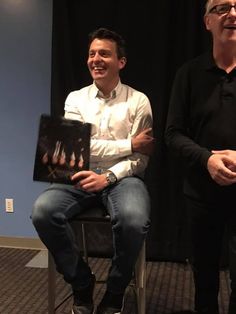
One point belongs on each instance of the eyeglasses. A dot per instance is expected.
(221, 9)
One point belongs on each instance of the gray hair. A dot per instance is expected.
(208, 6)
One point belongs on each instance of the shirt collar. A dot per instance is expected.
(209, 61)
(114, 93)
(210, 64)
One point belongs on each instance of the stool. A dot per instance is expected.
(98, 215)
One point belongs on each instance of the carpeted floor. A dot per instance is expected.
(23, 289)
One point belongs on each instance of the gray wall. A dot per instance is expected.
(25, 77)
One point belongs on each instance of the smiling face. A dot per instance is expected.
(104, 64)
(221, 24)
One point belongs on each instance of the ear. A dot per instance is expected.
(122, 63)
(207, 22)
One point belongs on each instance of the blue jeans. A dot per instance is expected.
(128, 204)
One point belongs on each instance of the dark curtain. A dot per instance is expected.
(160, 36)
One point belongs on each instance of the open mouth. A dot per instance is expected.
(96, 68)
(233, 27)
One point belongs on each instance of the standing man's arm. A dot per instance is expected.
(177, 131)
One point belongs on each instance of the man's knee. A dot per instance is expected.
(41, 211)
(136, 223)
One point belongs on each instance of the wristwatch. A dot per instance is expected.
(111, 177)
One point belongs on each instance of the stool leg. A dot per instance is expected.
(140, 280)
(51, 284)
(84, 243)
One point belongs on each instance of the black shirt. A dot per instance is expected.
(202, 117)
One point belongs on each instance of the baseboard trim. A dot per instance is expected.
(21, 243)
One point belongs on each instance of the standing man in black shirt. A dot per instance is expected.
(201, 129)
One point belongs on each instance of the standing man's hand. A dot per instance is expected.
(144, 142)
(222, 166)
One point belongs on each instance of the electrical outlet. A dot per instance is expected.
(9, 205)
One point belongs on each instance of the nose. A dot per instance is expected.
(96, 57)
(233, 6)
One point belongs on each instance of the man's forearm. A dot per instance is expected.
(143, 143)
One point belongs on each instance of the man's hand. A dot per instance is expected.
(144, 142)
(222, 166)
(90, 181)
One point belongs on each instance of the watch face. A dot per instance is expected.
(111, 178)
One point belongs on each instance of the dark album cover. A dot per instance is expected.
(63, 148)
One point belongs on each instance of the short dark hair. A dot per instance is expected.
(104, 33)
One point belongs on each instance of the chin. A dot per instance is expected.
(98, 78)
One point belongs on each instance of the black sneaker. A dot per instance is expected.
(107, 310)
(111, 304)
(83, 299)
(207, 310)
(83, 309)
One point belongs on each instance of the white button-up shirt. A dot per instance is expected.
(114, 122)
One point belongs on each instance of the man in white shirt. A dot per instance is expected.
(121, 142)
